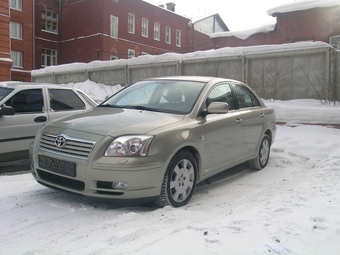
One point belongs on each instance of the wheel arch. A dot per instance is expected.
(270, 135)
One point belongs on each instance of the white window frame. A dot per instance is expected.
(131, 23)
(48, 58)
(16, 30)
(145, 27)
(178, 38)
(131, 53)
(156, 31)
(15, 4)
(17, 59)
(168, 35)
(114, 26)
(50, 22)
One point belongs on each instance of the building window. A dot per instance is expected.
(145, 27)
(48, 57)
(16, 57)
(131, 54)
(178, 38)
(15, 4)
(156, 31)
(113, 57)
(131, 23)
(168, 35)
(114, 27)
(49, 21)
(16, 30)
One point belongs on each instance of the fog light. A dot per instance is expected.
(119, 185)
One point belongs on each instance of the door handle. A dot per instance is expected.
(262, 115)
(40, 119)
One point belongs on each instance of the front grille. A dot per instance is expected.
(74, 147)
(61, 181)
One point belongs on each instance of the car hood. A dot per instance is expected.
(115, 121)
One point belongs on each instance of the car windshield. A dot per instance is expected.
(171, 96)
(4, 91)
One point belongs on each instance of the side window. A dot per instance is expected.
(27, 101)
(221, 93)
(65, 99)
(245, 97)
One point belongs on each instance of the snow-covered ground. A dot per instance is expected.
(290, 207)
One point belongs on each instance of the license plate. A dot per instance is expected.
(57, 165)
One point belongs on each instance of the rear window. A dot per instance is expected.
(65, 99)
(4, 91)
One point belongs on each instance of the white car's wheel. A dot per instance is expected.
(263, 155)
(179, 181)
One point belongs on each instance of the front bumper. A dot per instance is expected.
(93, 180)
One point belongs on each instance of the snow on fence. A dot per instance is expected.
(288, 71)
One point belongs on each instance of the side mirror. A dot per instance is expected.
(216, 108)
(6, 110)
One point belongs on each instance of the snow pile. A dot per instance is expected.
(305, 111)
(98, 92)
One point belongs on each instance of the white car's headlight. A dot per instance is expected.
(130, 145)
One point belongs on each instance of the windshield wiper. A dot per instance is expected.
(144, 108)
(109, 105)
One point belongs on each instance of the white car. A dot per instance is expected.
(24, 107)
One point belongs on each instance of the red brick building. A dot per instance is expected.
(5, 54)
(21, 34)
(39, 33)
(310, 24)
(53, 32)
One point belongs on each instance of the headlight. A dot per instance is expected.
(130, 145)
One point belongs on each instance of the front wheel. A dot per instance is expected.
(263, 155)
(179, 181)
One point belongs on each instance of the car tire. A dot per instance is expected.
(179, 181)
(262, 158)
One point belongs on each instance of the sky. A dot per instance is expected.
(236, 14)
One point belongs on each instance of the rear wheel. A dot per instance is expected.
(179, 181)
(263, 155)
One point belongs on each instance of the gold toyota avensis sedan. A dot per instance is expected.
(155, 140)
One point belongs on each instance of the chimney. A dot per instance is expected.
(171, 6)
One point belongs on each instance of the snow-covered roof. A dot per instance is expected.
(302, 5)
(244, 34)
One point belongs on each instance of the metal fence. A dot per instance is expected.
(281, 72)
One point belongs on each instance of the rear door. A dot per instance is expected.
(17, 131)
(252, 118)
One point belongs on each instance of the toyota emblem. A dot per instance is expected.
(60, 141)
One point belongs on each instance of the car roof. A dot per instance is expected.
(21, 85)
(192, 78)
